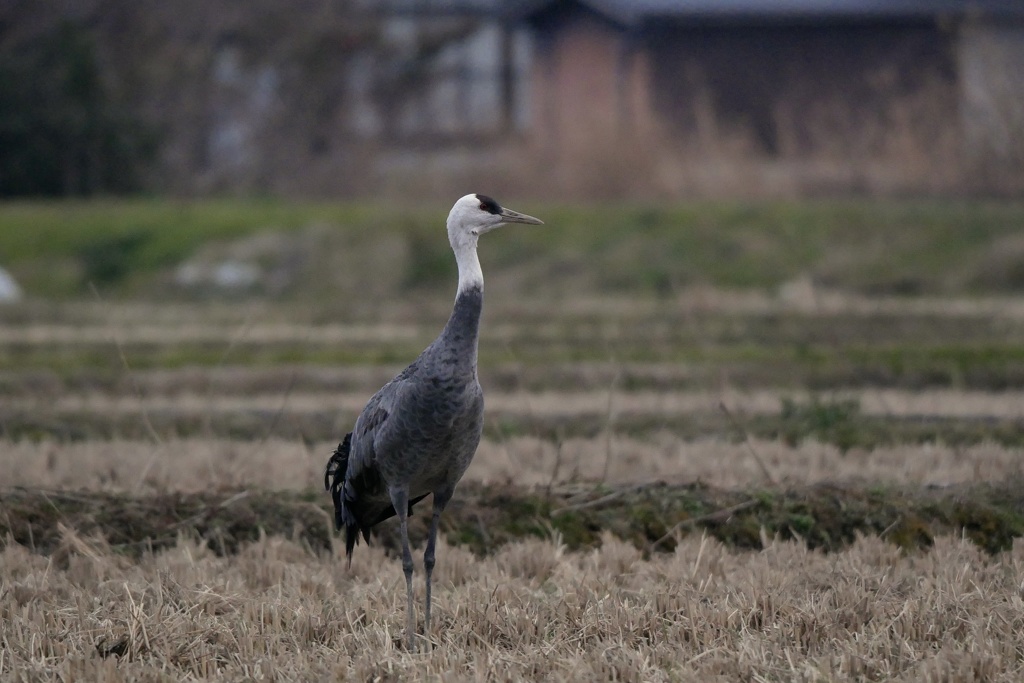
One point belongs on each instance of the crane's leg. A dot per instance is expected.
(400, 499)
(440, 501)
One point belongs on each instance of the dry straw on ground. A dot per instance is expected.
(205, 464)
(531, 612)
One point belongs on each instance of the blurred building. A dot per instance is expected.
(850, 84)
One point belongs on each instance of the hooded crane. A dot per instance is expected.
(418, 434)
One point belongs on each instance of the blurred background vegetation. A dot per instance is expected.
(64, 129)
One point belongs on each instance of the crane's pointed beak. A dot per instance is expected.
(510, 216)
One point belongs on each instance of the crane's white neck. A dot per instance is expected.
(470, 274)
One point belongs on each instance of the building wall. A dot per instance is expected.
(576, 92)
(591, 126)
(793, 90)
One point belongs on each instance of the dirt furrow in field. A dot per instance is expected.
(653, 517)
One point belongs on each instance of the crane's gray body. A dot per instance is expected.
(421, 429)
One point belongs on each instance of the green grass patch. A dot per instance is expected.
(120, 243)
(883, 246)
(836, 422)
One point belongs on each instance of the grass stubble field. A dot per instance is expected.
(780, 483)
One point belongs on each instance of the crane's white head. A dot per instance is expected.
(475, 214)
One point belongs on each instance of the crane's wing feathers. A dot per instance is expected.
(373, 427)
(372, 418)
(352, 476)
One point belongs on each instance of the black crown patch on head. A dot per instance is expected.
(489, 205)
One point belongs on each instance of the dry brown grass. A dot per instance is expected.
(531, 612)
(892, 143)
(203, 464)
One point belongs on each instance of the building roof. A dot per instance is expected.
(631, 12)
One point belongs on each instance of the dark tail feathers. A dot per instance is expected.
(334, 476)
(334, 481)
